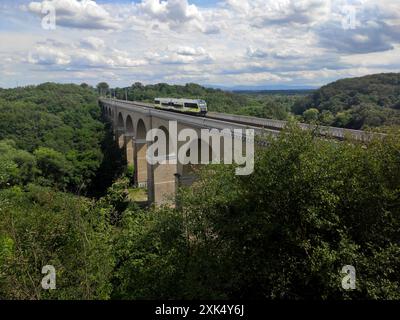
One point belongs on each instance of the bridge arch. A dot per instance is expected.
(129, 141)
(120, 131)
(129, 126)
(120, 123)
(167, 150)
(141, 131)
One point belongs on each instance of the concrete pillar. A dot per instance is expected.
(141, 165)
(165, 183)
(163, 180)
(130, 149)
(150, 182)
(119, 133)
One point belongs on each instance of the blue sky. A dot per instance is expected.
(253, 43)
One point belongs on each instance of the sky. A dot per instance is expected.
(226, 43)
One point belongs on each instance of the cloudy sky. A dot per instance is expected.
(254, 43)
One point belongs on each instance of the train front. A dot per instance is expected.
(203, 107)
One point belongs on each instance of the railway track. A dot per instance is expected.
(270, 124)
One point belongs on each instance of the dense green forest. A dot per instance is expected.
(285, 232)
(53, 135)
(357, 103)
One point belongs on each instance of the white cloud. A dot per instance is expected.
(85, 14)
(264, 13)
(181, 55)
(44, 55)
(93, 43)
(189, 51)
(178, 15)
(76, 56)
(256, 53)
(248, 42)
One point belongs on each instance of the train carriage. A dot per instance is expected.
(189, 106)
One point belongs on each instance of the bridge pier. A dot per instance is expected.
(130, 149)
(141, 165)
(120, 136)
(165, 181)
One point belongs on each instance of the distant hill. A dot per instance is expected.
(357, 103)
(262, 88)
(291, 92)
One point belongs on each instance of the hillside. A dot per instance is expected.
(356, 103)
(54, 134)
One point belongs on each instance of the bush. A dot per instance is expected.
(41, 227)
(311, 207)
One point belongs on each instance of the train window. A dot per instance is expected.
(157, 101)
(191, 105)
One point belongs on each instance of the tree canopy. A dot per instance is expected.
(357, 103)
(60, 126)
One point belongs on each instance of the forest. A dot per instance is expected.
(357, 103)
(311, 206)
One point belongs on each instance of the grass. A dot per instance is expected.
(137, 194)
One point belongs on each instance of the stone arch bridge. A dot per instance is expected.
(132, 120)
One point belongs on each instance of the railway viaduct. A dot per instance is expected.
(132, 120)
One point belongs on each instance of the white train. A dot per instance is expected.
(190, 106)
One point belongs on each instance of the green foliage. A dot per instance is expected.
(311, 207)
(41, 227)
(64, 119)
(16, 166)
(150, 253)
(8, 170)
(357, 103)
(116, 199)
(311, 115)
(53, 167)
(103, 88)
(111, 168)
(284, 232)
(6, 249)
(130, 172)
